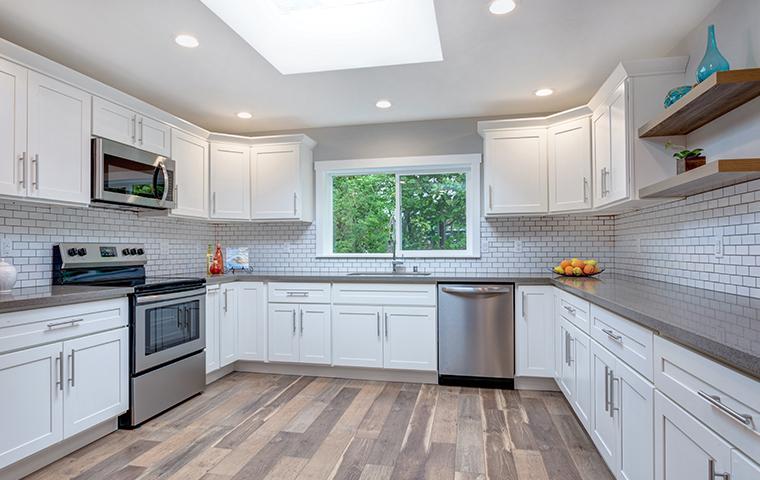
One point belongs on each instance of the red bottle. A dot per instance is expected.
(217, 265)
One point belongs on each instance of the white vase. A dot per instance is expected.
(7, 276)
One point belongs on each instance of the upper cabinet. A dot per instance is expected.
(13, 80)
(192, 175)
(230, 181)
(129, 127)
(570, 165)
(611, 148)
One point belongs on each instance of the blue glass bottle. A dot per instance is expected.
(713, 61)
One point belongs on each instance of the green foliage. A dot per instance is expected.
(362, 209)
(684, 154)
(434, 212)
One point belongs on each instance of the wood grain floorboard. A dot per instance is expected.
(279, 427)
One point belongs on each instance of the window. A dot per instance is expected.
(418, 206)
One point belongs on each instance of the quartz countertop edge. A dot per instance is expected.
(30, 298)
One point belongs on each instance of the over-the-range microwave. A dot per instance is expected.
(127, 176)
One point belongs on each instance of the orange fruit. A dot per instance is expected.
(589, 269)
(564, 264)
(568, 270)
(577, 263)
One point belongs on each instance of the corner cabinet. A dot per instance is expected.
(534, 313)
(192, 176)
(230, 181)
(569, 146)
(610, 138)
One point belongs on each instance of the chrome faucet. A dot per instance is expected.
(397, 265)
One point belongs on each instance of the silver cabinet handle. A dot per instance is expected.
(570, 310)
(72, 367)
(213, 202)
(176, 194)
(59, 363)
(302, 323)
(612, 335)
(294, 322)
(225, 300)
(295, 204)
(134, 128)
(613, 408)
(141, 130)
(606, 388)
(386, 326)
(490, 197)
(585, 189)
(65, 323)
(567, 348)
(22, 169)
(378, 325)
(36, 173)
(715, 401)
(711, 475)
(523, 304)
(296, 294)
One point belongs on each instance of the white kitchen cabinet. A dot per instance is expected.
(315, 345)
(251, 318)
(230, 182)
(97, 379)
(603, 423)
(213, 305)
(13, 85)
(742, 468)
(58, 166)
(228, 324)
(410, 334)
(569, 150)
(515, 171)
(611, 146)
(357, 336)
(192, 175)
(575, 375)
(31, 406)
(534, 331)
(282, 178)
(282, 332)
(126, 126)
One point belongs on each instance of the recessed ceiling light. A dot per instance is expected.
(244, 115)
(383, 104)
(500, 7)
(187, 41)
(301, 36)
(543, 92)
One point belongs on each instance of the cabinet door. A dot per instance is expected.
(275, 182)
(515, 172)
(633, 402)
(684, 448)
(569, 147)
(12, 128)
(230, 182)
(97, 379)
(581, 360)
(31, 406)
(600, 141)
(191, 178)
(252, 321)
(212, 328)
(59, 141)
(315, 334)
(534, 331)
(410, 338)
(228, 325)
(617, 178)
(357, 336)
(567, 378)
(282, 333)
(113, 122)
(742, 468)
(604, 419)
(154, 136)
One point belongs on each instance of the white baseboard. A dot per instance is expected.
(217, 374)
(55, 452)
(536, 383)
(376, 374)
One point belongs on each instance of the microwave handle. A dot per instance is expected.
(165, 172)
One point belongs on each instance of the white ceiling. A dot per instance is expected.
(492, 64)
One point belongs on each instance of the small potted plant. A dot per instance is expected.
(687, 159)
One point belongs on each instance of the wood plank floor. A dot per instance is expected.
(279, 427)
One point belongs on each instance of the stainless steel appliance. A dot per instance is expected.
(167, 323)
(476, 334)
(127, 176)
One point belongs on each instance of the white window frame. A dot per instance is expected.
(463, 163)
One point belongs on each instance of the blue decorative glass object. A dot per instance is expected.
(675, 94)
(713, 61)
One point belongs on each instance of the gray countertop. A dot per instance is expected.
(29, 298)
(523, 279)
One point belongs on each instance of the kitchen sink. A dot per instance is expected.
(389, 274)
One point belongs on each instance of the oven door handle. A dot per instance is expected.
(160, 297)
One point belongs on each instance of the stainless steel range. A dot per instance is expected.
(167, 323)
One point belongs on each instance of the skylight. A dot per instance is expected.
(300, 36)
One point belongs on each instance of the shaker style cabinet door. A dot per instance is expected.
(228, 325)
(212, 328)
(154, 136)
(534, 329)
(357, 336)
(315, 334)
(410, 338)
(604, 420)
(13, 155)
(282, 332)
(610, 148)
(569, 146)
(633, 402)
(276, 182)
(252, 321)
(59, 141)
(113, 122)
(230, 182)
(191, 177)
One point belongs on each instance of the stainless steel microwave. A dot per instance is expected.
(125, 175)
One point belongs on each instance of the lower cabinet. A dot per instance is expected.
(575, 372)
(251, 321)
(534, 324)
(299, 333)
(228, 324)
(213, 293)
(357, 336)
(55, 391)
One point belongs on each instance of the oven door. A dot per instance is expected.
(128, 175)
(168, 326)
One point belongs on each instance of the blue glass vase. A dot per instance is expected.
(713, 61)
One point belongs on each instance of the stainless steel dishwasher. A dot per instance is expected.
(476, 335)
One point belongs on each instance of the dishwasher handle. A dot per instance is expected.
(477, 290)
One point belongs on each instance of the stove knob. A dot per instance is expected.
(140, 251)
(125, 251)
(72, 252)
(133, 251)
(82, 252)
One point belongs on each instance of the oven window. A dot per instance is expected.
(128, 177)
(171, 325)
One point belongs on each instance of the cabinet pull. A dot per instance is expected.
(523, 304)
(378, 325)
(386, 326)
(606, 388)
(711, 475)
(59, 363)
(22, 169)
(490, 197)
(71, 367)
(225, 300)
(570, 310)
(294, 322)
(65, 323)
(715, 401)
(176, 194)
(36, 174)
(213, 202)
(141, 130)
(296, 294)
(613, 408)
(585, 189)
(568, 340)
(613, 335)
(295, 204)
(302, 323)
(134, 128)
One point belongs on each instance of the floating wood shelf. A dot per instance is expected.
(714, 175)
(714, 97)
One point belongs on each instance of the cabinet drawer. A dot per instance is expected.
(53, 324)
(716, 395)
(630, 342)
(574, 309)
(384, 294)
(299, 292)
